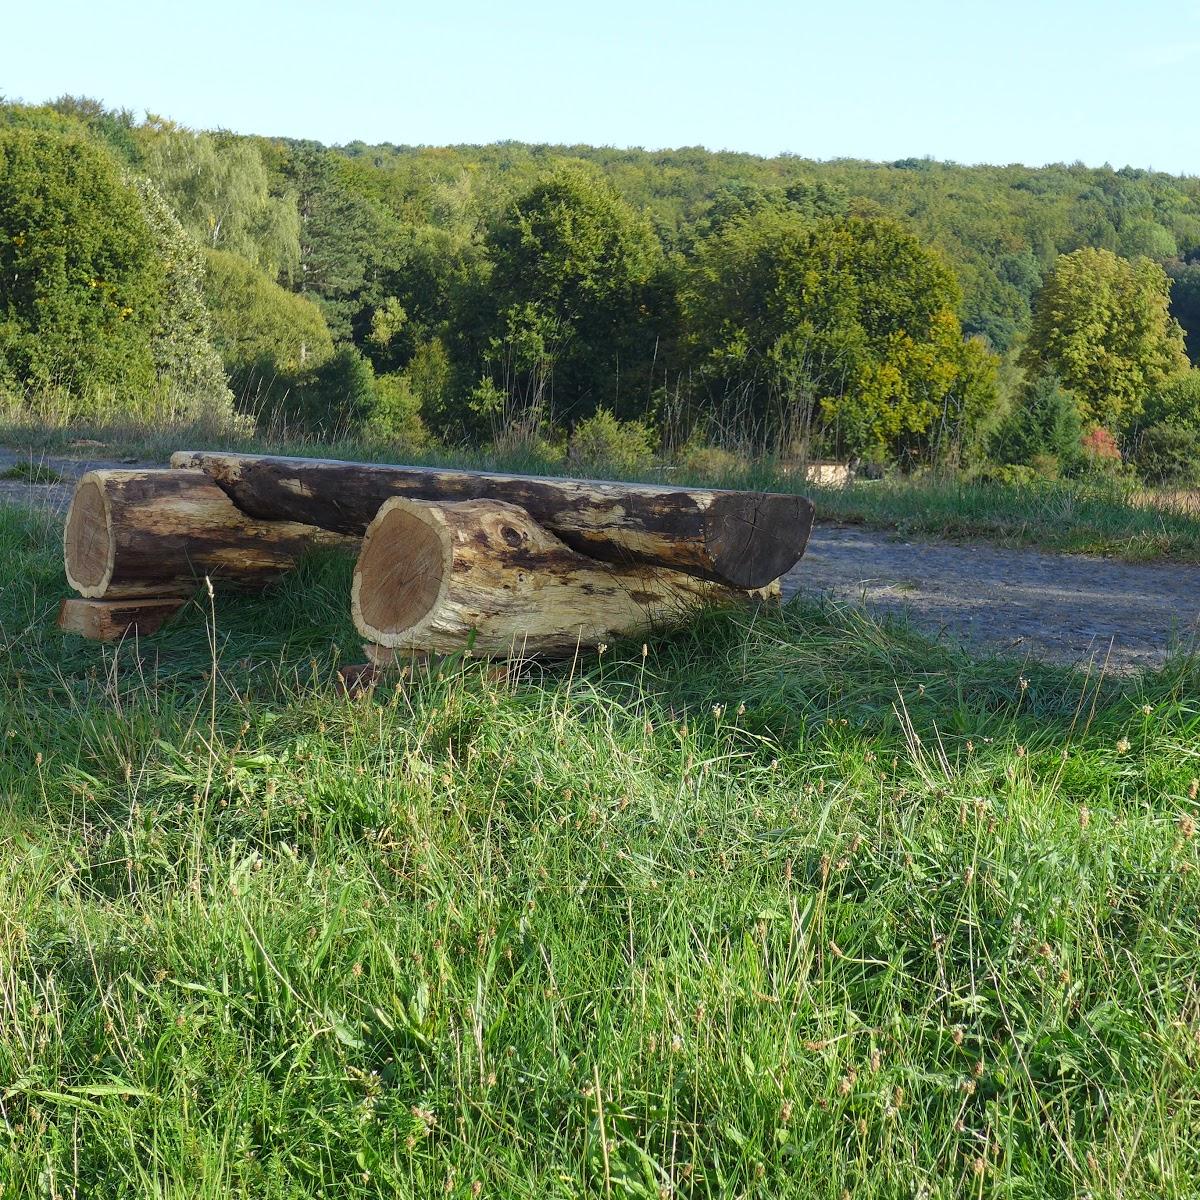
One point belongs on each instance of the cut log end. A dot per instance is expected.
(435, 578)
(754, 538)
(402, 568)
(88, 541)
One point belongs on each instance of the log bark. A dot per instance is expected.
(745, 539)
(157, 532)
(109, 620)
(440, 577)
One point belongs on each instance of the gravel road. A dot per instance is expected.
(1058, 607)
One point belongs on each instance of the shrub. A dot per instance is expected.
(1005, 475)
(1099, 445)
(338, 398)
(83, 285)
(1176, 403)
(1169, 455)
(1044, 422)
(395, 413)
(712, 462)
(602, 444)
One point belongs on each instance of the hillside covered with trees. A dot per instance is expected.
(599, 302)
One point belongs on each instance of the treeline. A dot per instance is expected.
(600, 303)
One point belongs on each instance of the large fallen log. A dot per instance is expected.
(745, 539)
(155, 533)
(437, 577)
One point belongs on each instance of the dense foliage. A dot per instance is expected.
(82, 284)
(896, 312)
(1103, 325)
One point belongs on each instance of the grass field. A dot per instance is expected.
(787, 905)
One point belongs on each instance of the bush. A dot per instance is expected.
(1005, 475)
(395, 413)
(1176, 403)
(711, 462)
(337, 399)
(1169, 455)
(83, 289)
(604, 445)
(1044, 422)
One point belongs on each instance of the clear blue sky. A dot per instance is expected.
(1028, 81)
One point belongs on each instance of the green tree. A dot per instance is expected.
(344, 240)
(81, 280)
(185, 357)
(838, 333)
(222, 193)
(1185, 303)
(1043, 424)
(565, 318)
(1102, 324)
(267, 335)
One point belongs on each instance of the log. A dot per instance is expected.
(110, 620)
(745, 539)
(157, 532)
(436, 577)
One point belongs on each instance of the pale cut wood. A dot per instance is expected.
(110, 620)
(158, 532)
(745, 539)
(441, 577)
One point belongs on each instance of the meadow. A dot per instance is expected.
(786, 904)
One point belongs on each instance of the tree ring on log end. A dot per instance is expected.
(88, 540)
(401, 572)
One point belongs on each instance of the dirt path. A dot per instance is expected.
(1064, 608)
(56, 496)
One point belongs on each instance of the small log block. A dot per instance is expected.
(157, 532)
(745, 539)
(439, 578)
(111, 620)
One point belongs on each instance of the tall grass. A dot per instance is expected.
(790, 904)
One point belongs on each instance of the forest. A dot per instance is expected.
(597, 306)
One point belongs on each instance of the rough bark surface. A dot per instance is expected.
(438, 577)
(745, 539)
(157, 532)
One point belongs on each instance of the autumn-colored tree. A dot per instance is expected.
(840, 332)
(1102, 324)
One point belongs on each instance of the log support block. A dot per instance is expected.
(111, 620)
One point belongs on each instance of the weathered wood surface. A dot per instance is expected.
(110, 620)
(436, 577)
(746, 539)
(157, 532)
